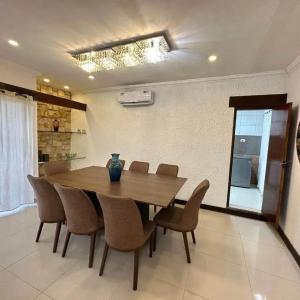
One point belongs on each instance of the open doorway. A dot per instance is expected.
(249, 159)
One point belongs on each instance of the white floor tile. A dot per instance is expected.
(219, 245)
(219, 222)
(270, 259)
(259, 232)
(191, 296)
(216, 279)
(82, 282)
(12, 288)
(265, 286)
(43, 297)
(245, 198)
(41, 268)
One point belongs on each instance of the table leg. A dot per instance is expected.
(95, 201)
(144, 210)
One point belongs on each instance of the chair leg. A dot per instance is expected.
(57, 232)
(165, 230)
(154, 208)
(154, 239)
(193, 236)
(39, 232)
(136, 269)
(92, 249)
(186, 245)
(103, 259)
(151, 244)
(66, 243)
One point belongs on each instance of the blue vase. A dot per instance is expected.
(115, 168)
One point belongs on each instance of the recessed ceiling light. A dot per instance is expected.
(213, 58)
(13, 43)
(66, 87)
(91, 77)
(47, 80)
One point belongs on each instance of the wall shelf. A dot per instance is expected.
(75, 158)
(58, 132)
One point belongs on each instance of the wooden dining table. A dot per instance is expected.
(145, 189)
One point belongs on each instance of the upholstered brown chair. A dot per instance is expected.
(183, 219)
(81, 217)
(49, 205)
(124, 229)
(168, 170)
(109, 161)
(139, 166)
(56, 167)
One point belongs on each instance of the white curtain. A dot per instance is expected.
(18, 150)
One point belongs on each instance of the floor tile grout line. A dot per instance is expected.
(275, 275)
(247, 270)
(24, 281)
(195, 294)
(17, 261)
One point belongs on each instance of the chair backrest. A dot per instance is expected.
(191, 209)
(121, 160)
(122, 221)
(169, 170)
(81, 214)
(139, 166)
(56, 167)
(49, 204)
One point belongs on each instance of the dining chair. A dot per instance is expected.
(183, 219)
(49, 205)
(56, 167)
(81, 215)
(168, 170)
(124, 229)
(109, 161)
(139, 166)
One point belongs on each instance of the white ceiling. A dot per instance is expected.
(248, 36)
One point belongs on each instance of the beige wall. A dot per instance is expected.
(190, 124)
(290, 221)
(17, 75)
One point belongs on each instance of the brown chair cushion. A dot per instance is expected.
(139, 166)
(124, 229)
(183, 219)
(171, 218)
(81, 214)
(49, 204)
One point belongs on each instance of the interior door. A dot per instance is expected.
(276, 162)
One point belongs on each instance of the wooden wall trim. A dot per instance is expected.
(45, 98)
(257, 101)
(228, 210)
(289, 245)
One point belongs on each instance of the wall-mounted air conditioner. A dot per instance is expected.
(136, 98)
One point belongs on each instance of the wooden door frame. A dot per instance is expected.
(255, 102)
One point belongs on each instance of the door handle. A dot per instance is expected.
(286, 162)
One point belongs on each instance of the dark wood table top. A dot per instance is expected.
(149, 188)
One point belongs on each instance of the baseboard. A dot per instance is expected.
(228, 210)
(289, 245)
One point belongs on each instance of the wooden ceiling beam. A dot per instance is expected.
(42, 97)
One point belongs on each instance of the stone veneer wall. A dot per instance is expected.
(54, 144)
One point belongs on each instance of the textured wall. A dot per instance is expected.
(190, 124)
(290, 220)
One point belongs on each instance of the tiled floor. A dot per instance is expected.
(245, 198)
(234, 258)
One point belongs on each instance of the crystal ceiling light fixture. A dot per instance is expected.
(135, 51)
